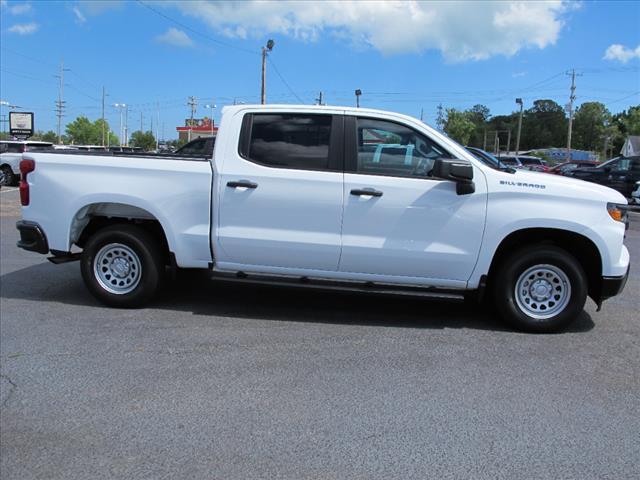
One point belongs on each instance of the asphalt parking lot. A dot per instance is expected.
(232, 381)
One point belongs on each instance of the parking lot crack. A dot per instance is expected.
(12, 388)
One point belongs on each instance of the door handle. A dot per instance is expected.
(242, 184)
(366, 192)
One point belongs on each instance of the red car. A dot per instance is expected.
(567, 167)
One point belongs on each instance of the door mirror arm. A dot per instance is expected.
(459, 171)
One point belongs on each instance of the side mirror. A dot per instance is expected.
(458, 171)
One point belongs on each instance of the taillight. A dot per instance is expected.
(26, 166)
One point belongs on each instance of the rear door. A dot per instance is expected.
(280, 207)
(400, 224)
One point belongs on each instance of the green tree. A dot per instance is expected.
(49, 136)
(144, 140)
(459, 126)
(84, 132)
(631, 121)
(479, 115)
(544, 125)
(590, 126)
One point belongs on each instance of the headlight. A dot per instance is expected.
(618, 211)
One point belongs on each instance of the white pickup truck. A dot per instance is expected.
(305, 195)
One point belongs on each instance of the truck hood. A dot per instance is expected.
(569, 187)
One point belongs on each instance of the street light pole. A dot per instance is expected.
(121, 107)
(519, 102)
(211, 106)
(265, 50)
(358, 93)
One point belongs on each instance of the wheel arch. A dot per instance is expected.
(95, 216)
(582, 248)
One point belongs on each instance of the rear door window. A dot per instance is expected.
(298, 141)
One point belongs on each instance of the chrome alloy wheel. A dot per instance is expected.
(117, 268)
(543, 291)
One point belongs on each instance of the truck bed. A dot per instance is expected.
(68, 188)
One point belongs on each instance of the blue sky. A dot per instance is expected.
(405, 57)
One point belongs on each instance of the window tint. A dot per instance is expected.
(3, 147)
(196, 147)
(389, 148)
(14, 147)
(290, 140)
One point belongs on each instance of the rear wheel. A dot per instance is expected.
(540, 289)
(122, 266)
(7, 177)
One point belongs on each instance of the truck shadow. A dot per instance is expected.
(195, 294)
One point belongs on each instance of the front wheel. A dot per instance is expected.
(122, 266)
(540, 289)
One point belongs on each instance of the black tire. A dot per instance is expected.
(9, 179)
(146, 252)
(570, 301)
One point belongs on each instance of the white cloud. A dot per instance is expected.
(91, 8)
(79, 15)
(621, 53)
(518, 74)
(175, 37)
(462, 31)
(3, 3)
(24, 28)
(20, 8)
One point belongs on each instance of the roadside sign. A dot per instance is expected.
(21, 124)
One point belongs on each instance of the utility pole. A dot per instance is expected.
(141, 122)
(103, 95)
(319, 99)
(126, 125)
(158, 126)
(440, 118)
(484, 143)
(265, 50)
(572, 98)
(193, 103)
(519, 102)
(60, 103)
(358, 93)
(421, 114)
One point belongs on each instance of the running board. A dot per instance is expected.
(349, 286)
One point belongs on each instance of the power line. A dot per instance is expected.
(283, 80)
(196, 32)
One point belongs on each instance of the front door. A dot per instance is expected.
(399, 223)
(280, 194)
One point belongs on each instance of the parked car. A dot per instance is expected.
(199, 146)
(118, 149)
(620, 173)
(295, 195)
(510, 161)
(10, 155)
(635, 195)
(567, 167)
(528, 162)
(92, 148)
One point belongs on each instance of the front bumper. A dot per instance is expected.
(32, 237)
(612, 286)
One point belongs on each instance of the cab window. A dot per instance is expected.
(393, 149)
